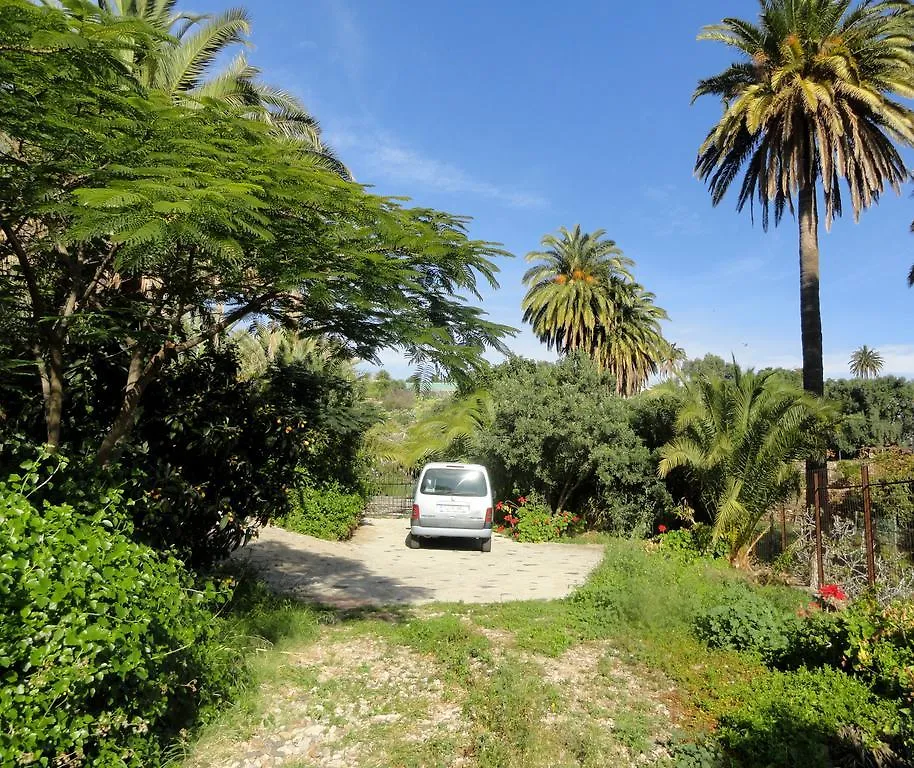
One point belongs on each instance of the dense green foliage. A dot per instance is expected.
(106, 648)
(557, 430)
(326, 513)
(876, 413)
(741, 620)
(531, 520)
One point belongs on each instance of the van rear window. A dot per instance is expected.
(446, 481)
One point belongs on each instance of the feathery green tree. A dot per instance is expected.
(812, 102)
(739, 440)
(126, 217)
(184, 60)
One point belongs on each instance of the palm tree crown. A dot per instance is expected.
(812, 100)
(184, 62)
(572, 286)
(582, 296)
(866, 363)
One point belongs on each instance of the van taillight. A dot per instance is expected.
(488, 516)
(416, 512)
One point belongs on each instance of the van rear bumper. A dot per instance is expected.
(456, 533)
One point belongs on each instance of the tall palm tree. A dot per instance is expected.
(185, 62)
(631, 346)
(866, 363)
(573, 288)
(740, 438)
(582, 296)
(811, 101)
(672, 361)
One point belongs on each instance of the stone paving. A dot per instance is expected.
(377, 568)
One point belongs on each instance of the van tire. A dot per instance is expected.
(485, 545)
(413, 543)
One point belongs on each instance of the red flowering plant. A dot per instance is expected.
(529, 519)
(831, 597)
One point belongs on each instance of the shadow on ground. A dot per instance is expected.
(333, 580)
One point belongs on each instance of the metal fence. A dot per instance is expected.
(392, 492)
(857, 533)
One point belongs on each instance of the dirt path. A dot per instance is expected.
(377, 568)
(357, 696)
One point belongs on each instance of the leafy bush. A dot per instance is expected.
(107, 652)
(327, 513)
(557, 430)
(869, 640)
(531, 520)
(694, 542)
(815, 718)
(740, 619)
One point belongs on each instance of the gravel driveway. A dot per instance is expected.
(376, 568)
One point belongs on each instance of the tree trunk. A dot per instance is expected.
(810, 310)
(54, 394)
(138, 378)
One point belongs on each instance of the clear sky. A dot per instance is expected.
(528, 115)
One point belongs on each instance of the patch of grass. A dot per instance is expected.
(508, 709)
(453, 643)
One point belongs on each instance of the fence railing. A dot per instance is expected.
(858, 533)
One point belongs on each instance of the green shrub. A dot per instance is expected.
(531, 520)
(694, 542)
(811, 718)
(872, 641)
(326, 513)
(106, 650)
(740, 619)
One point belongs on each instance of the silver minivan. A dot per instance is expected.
(452, 500)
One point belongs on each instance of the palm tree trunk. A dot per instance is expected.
(810, 311)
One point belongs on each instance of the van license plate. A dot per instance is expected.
(453, 509)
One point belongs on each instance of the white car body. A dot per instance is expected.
(452, 500)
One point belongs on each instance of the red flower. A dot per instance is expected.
(661, 528)
(833, 592)
(499, 506)
(522, 500)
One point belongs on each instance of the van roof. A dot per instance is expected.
(452, 465)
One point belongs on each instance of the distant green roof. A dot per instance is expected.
(442, 387)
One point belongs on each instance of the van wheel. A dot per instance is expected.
(485, 545)
(413, 543)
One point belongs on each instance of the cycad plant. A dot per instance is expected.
(812, 102)
(264, 344)
(866, 363)
(739, 440)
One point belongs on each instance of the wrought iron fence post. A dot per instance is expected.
(783, 528)
(868, 539)
(817, 506)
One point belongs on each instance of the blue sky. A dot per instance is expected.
(529, 115)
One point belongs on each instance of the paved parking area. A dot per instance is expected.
(377, 568)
